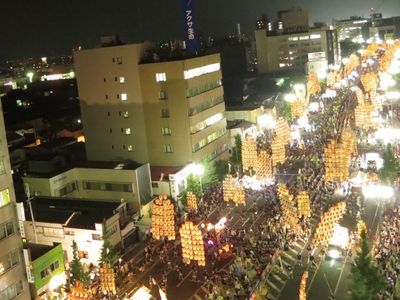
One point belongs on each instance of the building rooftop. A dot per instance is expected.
(239, 124)
(156, 172)
(38, 250)
(71, 212)
(252, 102)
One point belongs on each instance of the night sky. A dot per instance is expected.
(49, 27)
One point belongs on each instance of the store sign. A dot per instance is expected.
(29, 275)
(191, 38)
(316, 56)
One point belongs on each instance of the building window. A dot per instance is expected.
(112, 146)
(188, 74)
(110, 130)
(12, 291)
(2, 166)
(162, 95)
(53, 232)
(121, 79)
(9, 261)
(108, 113)
(154, 185)
(161, 77)
(127, 131)
(126, 114)
(69, 232)
(106, 97)
(164, 113)
(104, 79)
(96, 237)
(168, 148)
(115, 78)
(166, 131)
(119, 60)
(123, 147)
(83, 254)
(4, 197)
(130, 148)
(124, 97)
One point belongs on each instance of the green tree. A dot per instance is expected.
(348, 47)
(77, 271)
(192, 185)
(109, 254)
(283, 109)
(221, 168)
(390, 169)
(236, 154)
(367, 281)
(209, 177)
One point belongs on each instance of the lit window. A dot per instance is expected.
(127, 131)
(83, 254)
(166, 131)
(168, 148)
(121, 79)
(126, 114)
(161, 77)
(315, 36)
(293, 38)
(119, 60)
(304, 37)
(124, 96)
(201, 70)
(4, 197)
(130, 148)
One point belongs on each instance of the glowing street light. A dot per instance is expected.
(30, 76)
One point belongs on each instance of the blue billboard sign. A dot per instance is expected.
(191, 38)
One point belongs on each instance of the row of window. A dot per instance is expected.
(123, 130)
(7, 229)
(123, 96)
(117, 60)
(206, 123)
(50, 269)
(50, 231)
(9, 261)
(209, 139)
(107, 186)
(120, 79)
(205, 105)
(129, 147)
(68, 189)
(12, 291)
(124, 114)
(196, 90)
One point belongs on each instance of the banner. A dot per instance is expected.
(191, 38)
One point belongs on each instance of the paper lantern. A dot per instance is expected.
(192, 244)
(249, 152)
(191, 201)
(163, 218)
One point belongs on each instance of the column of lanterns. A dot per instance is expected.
(239, 196)
(192, 244)
(228, 188)
(163, 218)
(298, 108)
(263, 166)
(349, 140)
(191, 200)
(362, 111)
(79, 292)
(352, 65)
(331, 79)
(325, 227)
(303, 204)
(303, 285)
(107, 279)
(288, 208)
(336, 161)
(313, 85)
(249, 152)
(279, 141)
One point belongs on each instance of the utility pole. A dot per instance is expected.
(29, 198)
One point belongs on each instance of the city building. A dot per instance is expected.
(292, 44)
(351, 28)
(100, 181)
(46, 264)
(384, 28)
(167, 113)
(13, 281)
(64, 220)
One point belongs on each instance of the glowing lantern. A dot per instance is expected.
(107, 279)
(228, 188)
(192, 244)
(263, 166)
(191, 201)
(313, 86)
(79, 292)
(303, 285)
(303, 204)
(163, 218)
(249, 152)
(288, 208)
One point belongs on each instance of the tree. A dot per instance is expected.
(236, 154)
(109, 254)
(77, 271)
(221, 168)
(367, 281)
(390, 169)
(283, 109)
(192, 185)
(348, 47)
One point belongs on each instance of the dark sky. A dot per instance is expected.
(47, 27)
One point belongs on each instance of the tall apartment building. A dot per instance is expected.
(13, 281)
(351, 28)
(166, 113)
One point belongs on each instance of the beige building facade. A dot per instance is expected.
(13, 281)
(292, 51)
(166, 113)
